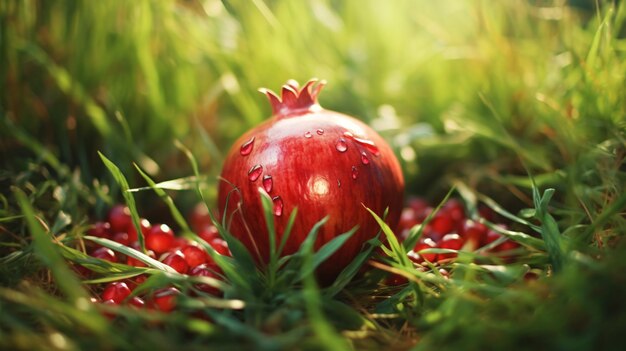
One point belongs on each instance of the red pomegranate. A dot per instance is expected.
(324, 163)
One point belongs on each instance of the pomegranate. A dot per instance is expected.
(320, 161)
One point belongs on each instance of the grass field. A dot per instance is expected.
(520, 105)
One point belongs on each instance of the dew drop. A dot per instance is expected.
(338, 183)
(368, 144)
(355, 172)
(246, 148)
(341, 145)
(255, 172)
(364, 159)
(308, 135)
(268, 183)
(278, 206)
(320, 131)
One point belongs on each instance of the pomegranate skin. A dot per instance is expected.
(324, 163)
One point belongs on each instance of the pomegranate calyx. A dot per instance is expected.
(294, 100)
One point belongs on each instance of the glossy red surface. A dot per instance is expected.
(315, 160)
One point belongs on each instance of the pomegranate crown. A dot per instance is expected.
(293, 98)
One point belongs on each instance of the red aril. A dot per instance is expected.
(418, 257)
(194, 255)
(120, 219)
(165, 299)
(121, 237)
(136, 263)
(160, 238)
(116, 292)
(209, 233)
(322, 162)
(450, 241)
(104, 253)
(442, 223)
(144, 224)
(100, 229)
(205, 270)
(137, 302)
(176, 260)
(474, 233)
(220, 246)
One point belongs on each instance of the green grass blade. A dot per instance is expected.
(130, 200)
(178, 217)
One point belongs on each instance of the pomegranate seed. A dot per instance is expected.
(104, 253)
(420, 207)
(160, 238)
(408, 219)
(204, 270)
(116, 292)
(474, 233)
(194, 255)
(442, 223)
(450, 241)
(486, 213)
(220, 246)
(144, 224)
(122, 238)
(418, 257)
(199, 217)
(119, 217)
(165, 299)
(209, 233)
(137, 302)
(100, 229)
(176, 260)
(455, 209)
(136, 263)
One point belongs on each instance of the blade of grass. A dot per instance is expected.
(130, 200)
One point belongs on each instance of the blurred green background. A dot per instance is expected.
(475, 89)
(478, 91)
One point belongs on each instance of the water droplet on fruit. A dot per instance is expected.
(355, 172)
(338, 183)
(320, 131)
(268, 183)
(255, 172)
(246, 148)
(308, 135)
(364, 159)
(341, 145)
(368, 144)
(278, 206)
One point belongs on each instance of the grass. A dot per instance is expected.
(519, 105)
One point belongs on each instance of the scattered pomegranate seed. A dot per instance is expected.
(104, 253)
(208, 233)
(176, 260)
(119, 217)
(136, 263)
(100, 229)
(194, 255)
(144, 224)
(116, 292)
(121, 237)
(450, 241)
(418, 257)
(220, 246)
(160, 238)
(205, 270)
(165, 299)
(137, 302)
